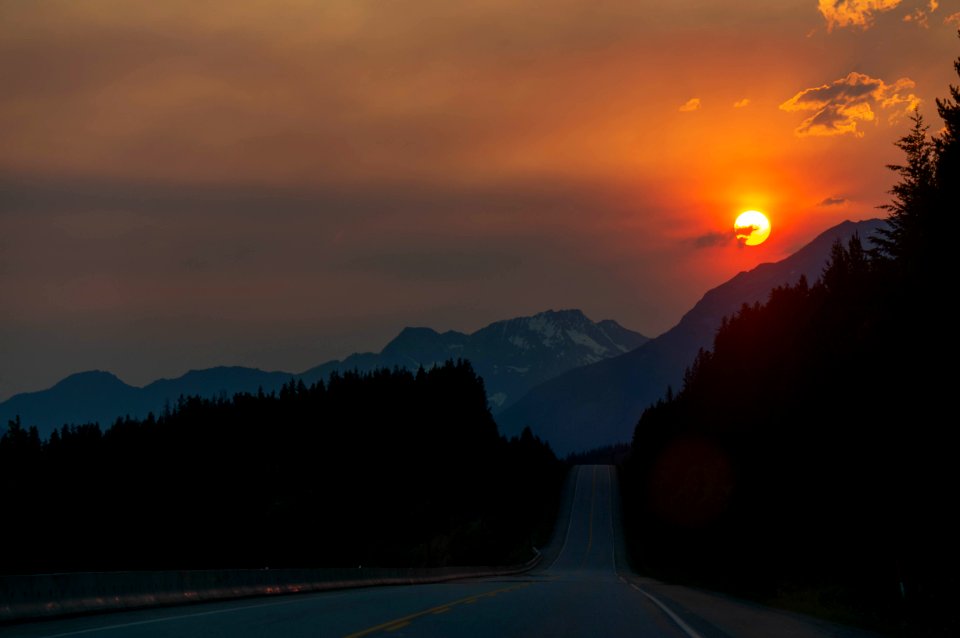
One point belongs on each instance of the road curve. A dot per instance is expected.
(577, 591)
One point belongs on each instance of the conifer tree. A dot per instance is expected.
(906, 236)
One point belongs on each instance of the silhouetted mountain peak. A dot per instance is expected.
(572, 330)
(416, 332)
(756, 284)
(553, 322)
(88, 375)
(423, 344)
(566, 315)
(91, 381)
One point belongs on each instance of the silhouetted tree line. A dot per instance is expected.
(390, 468)
(812, 449)
(607, 455)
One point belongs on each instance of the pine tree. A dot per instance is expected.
(907, 235)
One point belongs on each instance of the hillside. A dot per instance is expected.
(599, 404)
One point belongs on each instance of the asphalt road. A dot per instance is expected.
(577, 591)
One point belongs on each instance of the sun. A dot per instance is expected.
(752, 227)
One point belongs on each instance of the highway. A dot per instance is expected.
(581, 588)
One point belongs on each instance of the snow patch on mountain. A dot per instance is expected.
(582, 339)
(542, 325)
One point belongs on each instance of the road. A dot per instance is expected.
(577, 591)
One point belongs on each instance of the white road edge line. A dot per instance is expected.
(675, 618)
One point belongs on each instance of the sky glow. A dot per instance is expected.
(274, 184)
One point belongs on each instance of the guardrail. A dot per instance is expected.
(50, 595)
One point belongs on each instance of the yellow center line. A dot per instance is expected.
(399, 623)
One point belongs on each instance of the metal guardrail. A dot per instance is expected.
(50, 595)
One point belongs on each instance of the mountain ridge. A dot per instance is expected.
(598, 404)
(508, 369)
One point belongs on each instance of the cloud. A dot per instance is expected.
(739, 104)
(714, 239)
(833, 201)
(953, 18)
(841, 105)
(693, 104)
(853, 13)
(920, 16)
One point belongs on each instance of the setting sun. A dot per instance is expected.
(752, 227)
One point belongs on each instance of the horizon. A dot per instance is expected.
(399, 331)
(299, 372)
(190, 186)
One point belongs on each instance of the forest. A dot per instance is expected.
(809, 457)
(390, 468)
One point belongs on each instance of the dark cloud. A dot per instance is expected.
(832, 201)
(714, 239)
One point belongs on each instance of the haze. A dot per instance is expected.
(274, 184)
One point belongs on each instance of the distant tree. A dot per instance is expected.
(847, 267)
(259, 479)
(20, 442)
(907, 234)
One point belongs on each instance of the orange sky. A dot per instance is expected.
(186, 184)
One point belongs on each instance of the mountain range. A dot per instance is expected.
(512, 357)
(578, 384)
(599, 404)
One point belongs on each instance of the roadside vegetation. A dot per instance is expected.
(390, 468)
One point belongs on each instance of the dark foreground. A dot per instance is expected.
(582, 589)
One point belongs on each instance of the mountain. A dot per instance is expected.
(98, 396)
(599, 404)
(512, 356)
